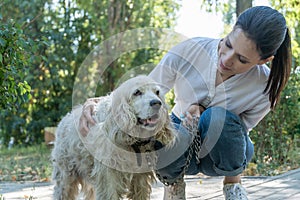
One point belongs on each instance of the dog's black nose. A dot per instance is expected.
(155, 103)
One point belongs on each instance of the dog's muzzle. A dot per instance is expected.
(150, 121)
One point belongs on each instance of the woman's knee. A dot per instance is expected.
(225, 140)
(228, 157)
(217, 120)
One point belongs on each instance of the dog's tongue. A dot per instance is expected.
(151, 121)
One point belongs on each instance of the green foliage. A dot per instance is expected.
(228, 9)
(170, 97)
(15, 57)
(65, 32)
(25, 16)
(291, 11)
(277, 136)
(111, 17)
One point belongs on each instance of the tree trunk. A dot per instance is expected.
(242, 5)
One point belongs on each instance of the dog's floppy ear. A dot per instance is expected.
(167, 134)
(121, 112)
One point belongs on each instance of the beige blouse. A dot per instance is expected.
(190, 68)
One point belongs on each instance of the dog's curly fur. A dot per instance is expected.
(115, 159)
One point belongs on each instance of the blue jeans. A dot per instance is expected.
(225, 151)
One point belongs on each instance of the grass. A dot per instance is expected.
(25, 163)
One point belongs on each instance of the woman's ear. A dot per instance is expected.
(263, 61)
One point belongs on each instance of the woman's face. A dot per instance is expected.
(237, 54)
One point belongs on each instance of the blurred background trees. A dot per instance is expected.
(56, 36)
(44, 42)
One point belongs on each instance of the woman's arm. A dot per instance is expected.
(252, 117)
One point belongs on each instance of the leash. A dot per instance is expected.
(195, 147)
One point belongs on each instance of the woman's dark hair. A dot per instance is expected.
(267, 28)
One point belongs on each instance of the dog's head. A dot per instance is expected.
(139, 109)
(136, 124)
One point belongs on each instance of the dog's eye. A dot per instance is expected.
(137, 93)
(157, 92)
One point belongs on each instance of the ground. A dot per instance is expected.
(285, 186)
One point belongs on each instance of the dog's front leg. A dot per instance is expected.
(102, 196)
(109, 184)
(140, 188)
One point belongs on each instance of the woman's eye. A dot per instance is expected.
(242, 60)
(227, 43)
(137, 93)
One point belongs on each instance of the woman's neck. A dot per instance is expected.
(220, 78)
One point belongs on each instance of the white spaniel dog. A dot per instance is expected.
(116, 159)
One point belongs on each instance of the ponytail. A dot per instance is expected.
(280, 71)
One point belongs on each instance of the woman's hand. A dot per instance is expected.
(192, 114)
(86, 119)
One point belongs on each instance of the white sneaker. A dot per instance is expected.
(234, 192)
(176, 191)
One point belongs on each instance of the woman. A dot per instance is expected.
(227, 86)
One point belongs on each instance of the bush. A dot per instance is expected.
(277, 136)
(16, 51)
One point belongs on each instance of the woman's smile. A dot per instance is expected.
(223, 67)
